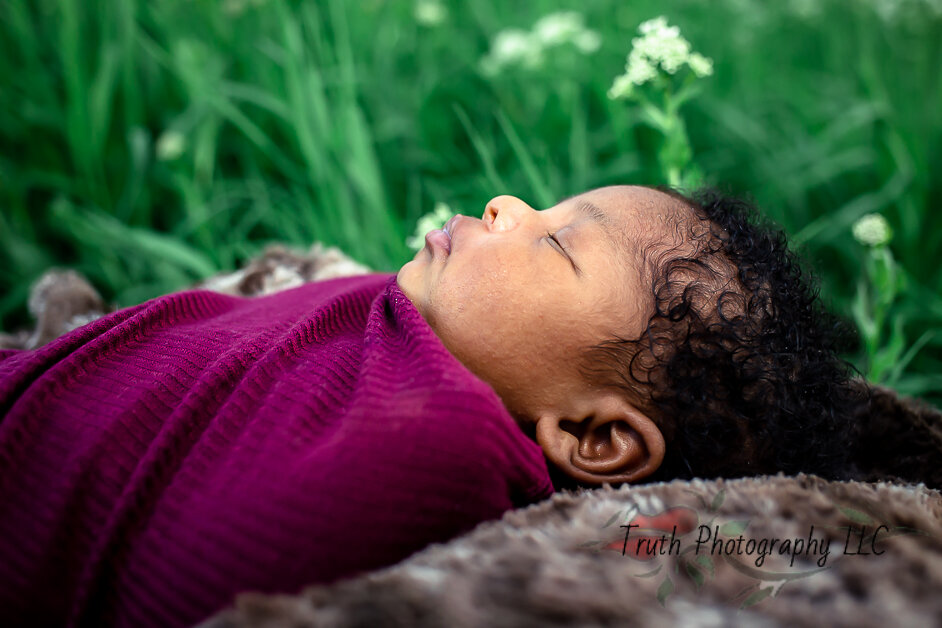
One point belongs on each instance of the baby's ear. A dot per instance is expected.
(612, 441)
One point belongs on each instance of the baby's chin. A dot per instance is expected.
(411, 280)
(407, 278)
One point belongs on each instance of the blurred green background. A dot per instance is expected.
(151, 144)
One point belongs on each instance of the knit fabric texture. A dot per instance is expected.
(158, 460)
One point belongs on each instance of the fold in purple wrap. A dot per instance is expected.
(158, 460)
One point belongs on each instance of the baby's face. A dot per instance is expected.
(517, 309)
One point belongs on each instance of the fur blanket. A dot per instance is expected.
(62, 300)
(858, 553)
(560, 563)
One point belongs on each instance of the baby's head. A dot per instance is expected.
(636, 333)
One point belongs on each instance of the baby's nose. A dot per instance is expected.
(505, 212)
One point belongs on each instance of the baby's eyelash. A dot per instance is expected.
(565, 252)
(552, 236)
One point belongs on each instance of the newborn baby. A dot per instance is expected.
(638, 333)
(160, 459)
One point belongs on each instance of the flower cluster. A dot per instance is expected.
(518, 47)
(872, 230)
(430, 12)
(170, 145)
(434, 220)
(660, 48)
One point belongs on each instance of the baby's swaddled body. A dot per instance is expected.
(158, 460)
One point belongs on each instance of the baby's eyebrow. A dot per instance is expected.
(591, 210)
(603, 220)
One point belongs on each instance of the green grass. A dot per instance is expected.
(344, 121)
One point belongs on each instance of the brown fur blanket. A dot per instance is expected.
(567, 561)
(62, 300)
(560, 563)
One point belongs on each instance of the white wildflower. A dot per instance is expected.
(700, 65)
(588, 41)
(656, 25)
(663, 44)
(430, 12)
(640, 69)
(170, 145)
(436, 219)
(661, 47)
(621, 88)
(513, 46)
(872, 230)
(558, 28)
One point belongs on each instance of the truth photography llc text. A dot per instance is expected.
(858, 541)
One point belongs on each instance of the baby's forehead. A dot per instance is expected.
(640, 218)
(636, 203)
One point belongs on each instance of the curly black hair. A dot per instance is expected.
(739, 363)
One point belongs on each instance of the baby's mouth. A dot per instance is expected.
(438, 239)
(449, 227)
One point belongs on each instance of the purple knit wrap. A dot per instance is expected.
(158, 460)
